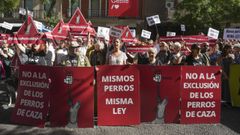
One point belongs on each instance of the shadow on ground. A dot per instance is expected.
(230, 117)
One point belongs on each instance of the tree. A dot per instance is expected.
(8, 5)
(199, 15)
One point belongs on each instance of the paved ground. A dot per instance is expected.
(230, 125)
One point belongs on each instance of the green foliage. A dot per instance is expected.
(52, 21)
(8, 5)
(199, 15)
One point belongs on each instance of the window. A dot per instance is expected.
(94, 8)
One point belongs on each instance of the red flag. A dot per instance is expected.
(88, 30)
(127, 35)
(28, 33)
(61, 31)
(78, 22)
(123, 8)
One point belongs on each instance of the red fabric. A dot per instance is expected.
(64, 92)
(32, 103)
(61, 31)
(189, 39)
(110, 111)
(168, 88)
(77, 23)
(123, 8)
(28, 33)
(127, 35)
(198, 104)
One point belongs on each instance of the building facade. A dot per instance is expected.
(96, 11)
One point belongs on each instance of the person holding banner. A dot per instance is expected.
(117, 57)
(164, 55)
(97, 56)
(37, 53)
(195, 58)
(75, 58)
(214, 54)
(61, 51)
(236, 49)
(152, 52)
(225, 60)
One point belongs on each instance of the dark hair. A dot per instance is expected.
(195, 46)
(225, 50)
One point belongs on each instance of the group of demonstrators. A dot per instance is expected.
(96, 51)
(100, 51)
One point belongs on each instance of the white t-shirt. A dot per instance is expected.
(117, 60)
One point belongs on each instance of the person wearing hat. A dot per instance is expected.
(75, 58)
(195, 58)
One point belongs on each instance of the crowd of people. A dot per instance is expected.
(93, 52)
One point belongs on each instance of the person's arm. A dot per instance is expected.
(3, 54)
(21, 48)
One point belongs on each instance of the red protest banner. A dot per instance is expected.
(118, 95)
(72, 99)
(28, 33)
(139, 48)
(77, 23)
(201, 94)
(160, 93)
(61, 31)
(122, 8)
(33, 96)
(127, 35)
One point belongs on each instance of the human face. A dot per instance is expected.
(151, 54)
(117, 44)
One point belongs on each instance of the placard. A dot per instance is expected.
(115, 32)
(152, 20)
(7, 25)
(231, 33)
(103, 32)
(201, 94)
(118, 95)
(146, 34)
(32, 103)
(213, 33)
(171, 34)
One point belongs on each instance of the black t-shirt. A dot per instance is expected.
(195, 62)
(38, 58)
